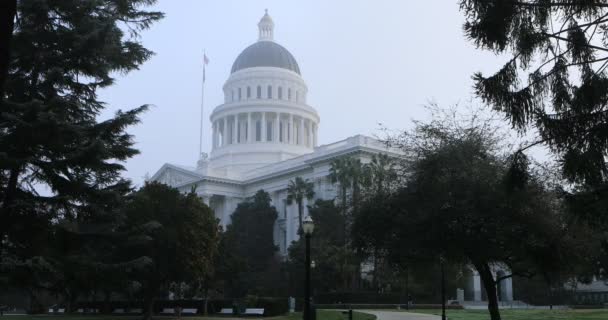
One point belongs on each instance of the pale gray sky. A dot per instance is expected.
(365, 63)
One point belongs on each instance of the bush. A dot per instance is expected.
(273, 306)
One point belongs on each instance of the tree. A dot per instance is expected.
(250, 238)
(327, 249)
(176, 234)
(297, 190)
(561, 49)
(8, 9)
(459, 202)
(554, 43)
(61, 53)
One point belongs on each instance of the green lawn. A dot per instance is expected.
(321, 315)
(596, 314)
(328, 315)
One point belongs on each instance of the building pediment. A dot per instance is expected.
(173, 175)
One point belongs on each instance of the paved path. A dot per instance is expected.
(399, 315)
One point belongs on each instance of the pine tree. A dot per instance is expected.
(51, 140)
(555, 84)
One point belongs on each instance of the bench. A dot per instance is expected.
(168, 311)
(61, 310)
(136, 311)
(118, 311)
(254, 312)
(189, 311)
(226, 311)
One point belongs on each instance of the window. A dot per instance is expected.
(269, 92)
(248, 92)
(259, 92)
(258, 130)
(281, 131)
(297, 98)
(280, 93)
(232, 99)
(269, 131)
(289, 94)
(238, 131)
(240, 95)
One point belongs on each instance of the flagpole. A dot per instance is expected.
(200, 138)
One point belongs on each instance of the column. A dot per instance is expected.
(476, 287)
(314, 136)
(249, 139)
(301, 132)
(290, 129)
(235, 125)
(224, 131)
(277, 121)
(263, 127)
(508, 283)
(309, 139)
(213, 133)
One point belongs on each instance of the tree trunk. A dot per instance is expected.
(300, 216)
(490, 285)
(148, 306)
(8, 10)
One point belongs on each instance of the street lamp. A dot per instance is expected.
(442, 261)
(308, 227)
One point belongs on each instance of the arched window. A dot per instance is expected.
(280, 93)
(259, 93)
(248, 92)
(240, 94)
(289, 94)
(269, 92)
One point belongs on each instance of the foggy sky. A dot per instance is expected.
(365, 63)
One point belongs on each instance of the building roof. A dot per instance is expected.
(265, 54)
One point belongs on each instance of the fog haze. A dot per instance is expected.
(366, 63)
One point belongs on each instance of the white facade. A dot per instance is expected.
(264, 135)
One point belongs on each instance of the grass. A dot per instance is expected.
(328, 315)
(522, 314)
(321, 315)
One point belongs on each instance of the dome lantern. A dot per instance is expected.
(266, 27)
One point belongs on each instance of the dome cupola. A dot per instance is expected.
(265, 52)
(264, 118)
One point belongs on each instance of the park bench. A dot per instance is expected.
(189, 311)
(118, 311)
(3, 309)
(136, 311)
(61, 310)
(254, 312)
(226, 311)
(168, 311)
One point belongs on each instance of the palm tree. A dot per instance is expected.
(340, 173)
(297, 190)
(381, 173)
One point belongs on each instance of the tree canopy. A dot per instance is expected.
(175, 235)
(457, 203)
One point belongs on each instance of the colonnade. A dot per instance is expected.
(256, 127)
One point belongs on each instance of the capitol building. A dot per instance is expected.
(264, 135)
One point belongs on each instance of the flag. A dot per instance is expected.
(205, 62)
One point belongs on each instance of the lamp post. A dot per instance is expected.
(307, 226)
(442, 261)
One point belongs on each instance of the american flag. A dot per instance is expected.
(205, 62)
